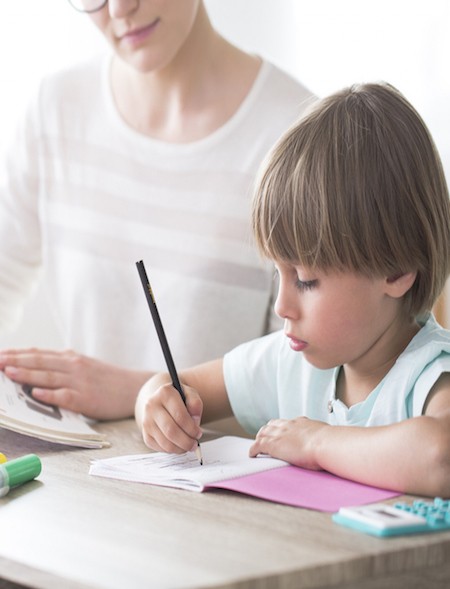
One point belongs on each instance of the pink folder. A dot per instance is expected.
(305, 488)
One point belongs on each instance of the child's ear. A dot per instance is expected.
(398, 285)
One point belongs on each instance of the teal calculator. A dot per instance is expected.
(401, 518)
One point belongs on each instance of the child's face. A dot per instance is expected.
(334, 318)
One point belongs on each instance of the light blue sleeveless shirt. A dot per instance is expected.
(265, 379)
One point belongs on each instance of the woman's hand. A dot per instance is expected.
(75, 382)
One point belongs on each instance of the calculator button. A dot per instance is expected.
(436, 520)
(442, 503)
(403, 506)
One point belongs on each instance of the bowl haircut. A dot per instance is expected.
(357, 185)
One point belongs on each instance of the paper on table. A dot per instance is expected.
(227, 466)
(223, 459)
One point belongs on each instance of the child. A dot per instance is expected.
(353, 208)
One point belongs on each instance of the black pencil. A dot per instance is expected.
(162, 339)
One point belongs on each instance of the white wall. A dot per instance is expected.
(333, 43)
(325, 43)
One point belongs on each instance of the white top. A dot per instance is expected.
(265, 379)
(85, 196)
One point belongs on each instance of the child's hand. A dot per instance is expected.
(292, 440)
(167, 424)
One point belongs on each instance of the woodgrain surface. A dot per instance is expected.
(71, 530)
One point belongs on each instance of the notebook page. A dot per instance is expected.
(223, 459)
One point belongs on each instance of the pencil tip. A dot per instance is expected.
(199, 454)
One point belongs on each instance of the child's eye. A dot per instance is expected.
(305, 284)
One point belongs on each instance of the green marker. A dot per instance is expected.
(18, 471)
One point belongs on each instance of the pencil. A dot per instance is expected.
(163, 340)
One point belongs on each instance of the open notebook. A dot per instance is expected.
(226, 465)
(21, 413)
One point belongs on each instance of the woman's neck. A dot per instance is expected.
(192, 96)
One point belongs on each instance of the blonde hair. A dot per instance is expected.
(358, 185)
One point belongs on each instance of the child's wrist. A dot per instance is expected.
(320, 444)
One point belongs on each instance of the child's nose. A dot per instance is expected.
(287, 304)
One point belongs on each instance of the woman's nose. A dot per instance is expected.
(122, 8)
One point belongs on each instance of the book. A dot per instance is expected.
(227, 465)
(21, 413)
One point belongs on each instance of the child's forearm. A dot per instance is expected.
(412, 456)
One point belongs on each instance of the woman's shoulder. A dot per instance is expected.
(280, 86)
(74, 82)
(278, 99)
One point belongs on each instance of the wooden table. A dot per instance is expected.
(69, 530)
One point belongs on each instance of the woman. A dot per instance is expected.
(150, 153)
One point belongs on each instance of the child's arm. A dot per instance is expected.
(412, 456)
(165, 422)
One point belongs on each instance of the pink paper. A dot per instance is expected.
(305, 488)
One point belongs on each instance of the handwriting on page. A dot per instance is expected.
(160, 466)
(173, 462)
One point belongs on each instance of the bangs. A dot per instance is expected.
(288, 216)
(308, 208)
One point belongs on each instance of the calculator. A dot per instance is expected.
(380, 519)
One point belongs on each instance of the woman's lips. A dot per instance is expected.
(136, 36)
(297, 345)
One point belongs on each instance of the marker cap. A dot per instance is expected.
(2, 458)
(23, 469)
